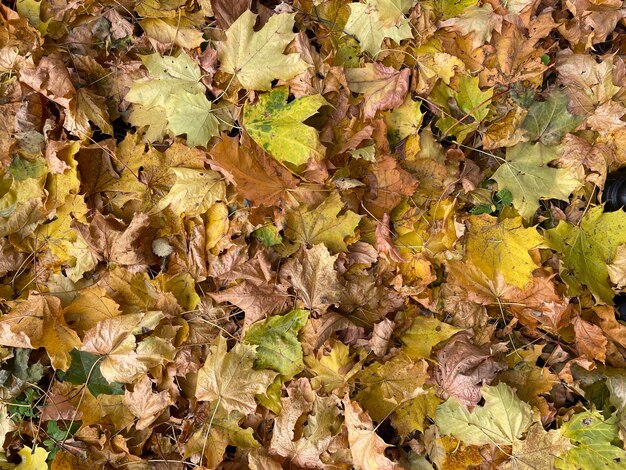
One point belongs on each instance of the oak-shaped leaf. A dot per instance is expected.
(256, 57)
(229, 377)
(277, 126)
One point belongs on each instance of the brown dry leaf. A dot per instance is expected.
(461, 370)
(257, 176)
(312, 275)
(38, 322)
(144, 404)
(114, 241)
(384, 87)
(391, 185)
(590, 340)
(367, 447)
(321, 418)
(617, 269)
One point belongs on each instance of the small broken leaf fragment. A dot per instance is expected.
(33, 459)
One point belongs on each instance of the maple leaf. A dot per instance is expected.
(194, 192)
(588, 247)
(465, 107)
(257, 177)
(323, 224)
(276, 125)
(175, 93)
(528, 177)
(592, 435)
(38, 322)
(461, 370)
(313, 277)
(229, 377)
(502, 420)
(316, 435)
(390, 384)
(211, 440)
(332, 371)
(384, 87)
(423, 334)
(539, 449)
(144, 404)
(256, 58)
(113, 241)
(115, 339)
(277, 342)
(501, 248)
(375, 20)
(367, 447)
(549, 121)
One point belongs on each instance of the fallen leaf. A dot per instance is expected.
(228, 377)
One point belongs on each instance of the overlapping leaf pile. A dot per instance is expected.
(311, 234)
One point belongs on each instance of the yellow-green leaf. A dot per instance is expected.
(277, 127)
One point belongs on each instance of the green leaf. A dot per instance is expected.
(85, 369)
(277, 126)
(256, 58)
(550, 120)
(173, 99)
(277, 340)
(588, 248)
(464, 107)
(528, 177)
(592, 435)
(322, 224)
(502, 420)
